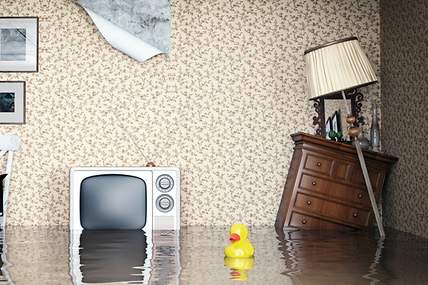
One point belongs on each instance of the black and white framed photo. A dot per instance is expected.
(19, 44)
(12, 102)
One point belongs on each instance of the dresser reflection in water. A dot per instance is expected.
(124, 257)
(330, 257)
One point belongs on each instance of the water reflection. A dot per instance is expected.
(239, 267)
(329, 257)
(112, 256)
(371, 275)
(36, 255)
(124, 257)
(195, 256)
(165, 261)
(4, 278)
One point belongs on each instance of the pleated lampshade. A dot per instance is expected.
(337, 66)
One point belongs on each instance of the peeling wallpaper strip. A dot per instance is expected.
(138, 28)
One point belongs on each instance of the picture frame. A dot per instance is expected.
(321, 104)
(19, 44)
(12, 102)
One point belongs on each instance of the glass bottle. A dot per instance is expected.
(375, 130)
(362, 140)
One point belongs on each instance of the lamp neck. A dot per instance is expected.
(348, 110)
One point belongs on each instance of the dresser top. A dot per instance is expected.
(304, 138)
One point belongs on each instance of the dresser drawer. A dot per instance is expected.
(332, 190)
(376, 177)
(335, 211)
(318, 163)
(305, 222)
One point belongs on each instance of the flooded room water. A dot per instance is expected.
(195, 256)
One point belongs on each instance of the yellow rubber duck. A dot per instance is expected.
(240, 247)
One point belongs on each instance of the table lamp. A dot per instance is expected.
(337, 67)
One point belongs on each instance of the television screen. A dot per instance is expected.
(113, 202)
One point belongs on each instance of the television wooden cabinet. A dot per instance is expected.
(325, 187)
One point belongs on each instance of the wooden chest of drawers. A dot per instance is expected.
(325, 187)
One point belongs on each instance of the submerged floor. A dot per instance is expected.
(195, 256)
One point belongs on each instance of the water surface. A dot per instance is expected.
(195, 256)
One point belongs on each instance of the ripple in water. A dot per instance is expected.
(195, 256)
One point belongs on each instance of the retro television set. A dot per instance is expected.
(119, 215)
(125, 198)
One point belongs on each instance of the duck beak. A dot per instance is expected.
(234, 237)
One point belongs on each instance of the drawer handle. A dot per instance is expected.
(304, 221)
(355, 214)
(318, 164)
(314, 183)
(309, 202)
(360, 196)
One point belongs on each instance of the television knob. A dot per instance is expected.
(164, 203)
(164, 183)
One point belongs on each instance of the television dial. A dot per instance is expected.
(164, 183)
(164, 203)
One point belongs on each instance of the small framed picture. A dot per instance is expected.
(12, 102)
(19, 44)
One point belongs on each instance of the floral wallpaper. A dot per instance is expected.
(221, 106)
(404, 105)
